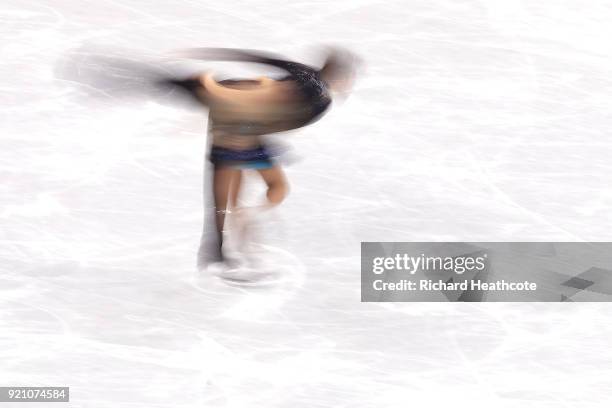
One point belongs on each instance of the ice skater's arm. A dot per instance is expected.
(265, 90)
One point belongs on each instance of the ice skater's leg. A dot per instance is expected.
(226, 188)
(277, 189)
(251, 217)
(277, 184)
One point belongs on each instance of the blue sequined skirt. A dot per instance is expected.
(258, 158)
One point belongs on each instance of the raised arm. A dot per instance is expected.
(262, 90)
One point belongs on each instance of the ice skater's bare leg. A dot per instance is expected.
(278, 188)
(226, 188)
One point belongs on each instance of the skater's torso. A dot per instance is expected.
(303, 98)
(240, 126)
(229, 138)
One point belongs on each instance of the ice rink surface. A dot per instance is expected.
(471, 121)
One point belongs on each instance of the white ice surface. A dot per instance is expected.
(473, 120)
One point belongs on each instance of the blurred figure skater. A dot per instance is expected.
(241, 112)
